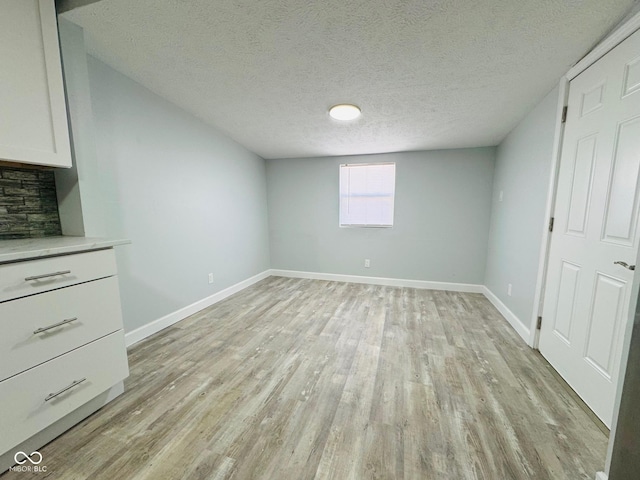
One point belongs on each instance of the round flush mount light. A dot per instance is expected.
(345, 112)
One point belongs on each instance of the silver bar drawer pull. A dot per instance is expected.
(47, 275)
(75, 383)
(59, 324)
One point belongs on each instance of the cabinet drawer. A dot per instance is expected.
(95, 306)
(27, 406)
(35, 276)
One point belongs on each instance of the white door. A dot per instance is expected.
(587, 296)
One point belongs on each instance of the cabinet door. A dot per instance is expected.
(33, 116)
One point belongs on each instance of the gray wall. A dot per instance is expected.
(624, 454)
(523, 166)
(191, 200)
(442, 211)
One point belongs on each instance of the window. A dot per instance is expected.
(367, 192)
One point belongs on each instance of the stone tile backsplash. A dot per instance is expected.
(28, 203)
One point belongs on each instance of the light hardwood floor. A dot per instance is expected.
(302, 379)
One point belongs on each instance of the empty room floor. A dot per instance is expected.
(303, 379)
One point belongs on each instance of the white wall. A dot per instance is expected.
(191, 200)
(522, 171)
(79, 201)
(442, 212)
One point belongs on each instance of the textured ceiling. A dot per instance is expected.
(427, 74)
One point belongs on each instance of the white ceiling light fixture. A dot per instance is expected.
(345, 112)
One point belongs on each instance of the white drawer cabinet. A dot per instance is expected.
(26, 278)
(33, 123)
(61, 344)
(29, 400)
(38, 328)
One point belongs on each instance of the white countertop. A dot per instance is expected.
(30, 248)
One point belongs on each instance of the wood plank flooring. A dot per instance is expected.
(306, 379)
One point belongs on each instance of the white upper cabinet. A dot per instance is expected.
(33, 114)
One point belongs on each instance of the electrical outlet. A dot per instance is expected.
(367, 263)
(211, 278)
(500, 196)
(509, 290)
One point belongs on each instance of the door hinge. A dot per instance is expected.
(551, 224)
(539, 323)
(565, 109)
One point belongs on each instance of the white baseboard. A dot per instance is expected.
(134, 336)
(517, 324)
(390, 282)
(601, 476)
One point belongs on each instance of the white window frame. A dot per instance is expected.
(340, 205)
